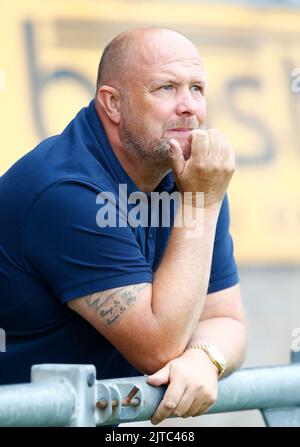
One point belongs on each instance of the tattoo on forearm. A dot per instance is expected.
(110, 307)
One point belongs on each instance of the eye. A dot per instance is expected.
(166, 87)
(198, 88)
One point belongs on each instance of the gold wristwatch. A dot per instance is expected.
(214, 354)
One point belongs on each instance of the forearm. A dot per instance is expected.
(180, 283)
(227, 334)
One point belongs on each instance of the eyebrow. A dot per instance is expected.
(171, 80)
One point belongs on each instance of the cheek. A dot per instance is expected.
(155, 120)
(162, 109)
(202, 111)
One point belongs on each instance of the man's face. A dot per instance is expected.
(164, 99)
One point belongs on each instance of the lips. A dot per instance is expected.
(181, 129)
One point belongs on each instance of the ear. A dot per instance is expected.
(110, 100)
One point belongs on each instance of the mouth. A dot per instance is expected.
(181, 129)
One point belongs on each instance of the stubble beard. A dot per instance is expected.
(152, 153)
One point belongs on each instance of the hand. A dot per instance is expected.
(193, 385)
(209, 168)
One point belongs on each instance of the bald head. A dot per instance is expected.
(129, 50)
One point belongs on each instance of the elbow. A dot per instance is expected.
(157, 359)
(155, 349)
(151, 366)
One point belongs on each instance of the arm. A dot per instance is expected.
(223, 324)
(152, 324)
(163, 316)
(193, 378)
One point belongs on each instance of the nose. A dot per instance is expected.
(186, 104)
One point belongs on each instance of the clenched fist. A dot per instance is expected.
(209, 168)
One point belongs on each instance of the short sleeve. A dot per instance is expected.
(71, 253)
(224, 272)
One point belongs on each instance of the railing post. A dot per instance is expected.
(283, 417)
(58, 395)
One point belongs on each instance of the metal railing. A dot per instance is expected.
(70, 395)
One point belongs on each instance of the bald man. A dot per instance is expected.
(89, 276)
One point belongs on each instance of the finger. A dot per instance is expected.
(185, 403)
(202, 410)
(197, 410)
(228, 153)
(226, 146)
(199, 145)
(171, 398)
(201, 406)
(176, 157)
(214, 145)
(198, 406)
(161, 376)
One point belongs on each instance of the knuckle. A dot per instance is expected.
(177, 368)
(214, 169)
(194, 388)
(210, 402)
(199, 166)
(213, 131)
(200, 134)
(169, 404)
(211, 398)
(198, 387)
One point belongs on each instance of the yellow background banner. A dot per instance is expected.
(49, 54)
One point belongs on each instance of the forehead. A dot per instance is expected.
(177, 71)
(168, 54)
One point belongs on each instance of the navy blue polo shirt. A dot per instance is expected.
(52, 250)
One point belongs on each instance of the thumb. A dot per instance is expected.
(176, 157)
(161, 376)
